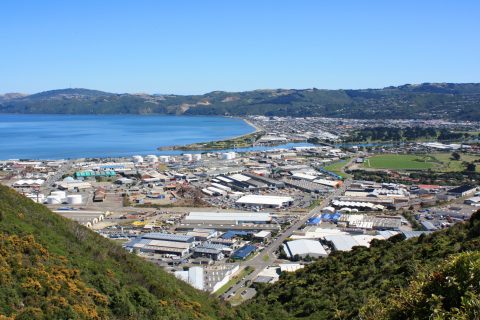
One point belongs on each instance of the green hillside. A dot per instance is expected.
(365, 283)
(448, 291)
(424, 101)
(53, 268)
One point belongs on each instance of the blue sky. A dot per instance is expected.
(190, 47)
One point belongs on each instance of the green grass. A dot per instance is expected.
(401, 162)
(337, 167)
(449, 165)
(237, 142)
(438, 162)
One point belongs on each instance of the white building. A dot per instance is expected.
(194, 276)
(231, 218)
(265, 201)
(343, 242)
(303, 248)
(151, 158)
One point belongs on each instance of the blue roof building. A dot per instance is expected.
(244, 252)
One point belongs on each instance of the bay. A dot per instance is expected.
(43, 136)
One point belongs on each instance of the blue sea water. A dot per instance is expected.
(77, 136)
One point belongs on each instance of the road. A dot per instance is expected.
(65, 168)
(260, 262)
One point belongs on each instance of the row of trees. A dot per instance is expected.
(406, 134)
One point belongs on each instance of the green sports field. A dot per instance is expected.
(401, 161)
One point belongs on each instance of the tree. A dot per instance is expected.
(471, 167)
(455, 156)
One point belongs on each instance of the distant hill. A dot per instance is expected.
(422, 101)
(54, 268)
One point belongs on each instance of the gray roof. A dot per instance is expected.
(168, 237)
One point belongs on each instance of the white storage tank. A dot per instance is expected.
(54, 200)
(137, 159)
(197, 157)
(74, 199)
(228, 156)
(187, 157)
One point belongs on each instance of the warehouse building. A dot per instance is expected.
(342, 242)
(162, 243)
(202, 234)
(271, 183)
(230, 218)
(462, 191)
(86, 218)
(194, 276)
(265, 201)
(244, 252)
(212, 251)
(303, 248)
(304, 185)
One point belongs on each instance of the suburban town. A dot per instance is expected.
(228, 221)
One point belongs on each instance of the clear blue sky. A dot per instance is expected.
(199, 46)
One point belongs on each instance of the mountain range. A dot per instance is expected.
(450, 101)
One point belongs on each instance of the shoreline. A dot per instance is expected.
(244, 141)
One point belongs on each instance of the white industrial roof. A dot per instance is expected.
(239, 177)
(290, 267)
(169, 244)
(365, 239)
(326, 182)
(317, 233)
(264, 200)
(262, 234)
(233, 216)
(305, 247)
(29, 182)
(305, 176)
(342, 242)
(474, 199)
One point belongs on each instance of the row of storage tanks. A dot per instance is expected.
(186, 157)
(59, 197)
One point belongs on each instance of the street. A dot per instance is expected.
(260, 262)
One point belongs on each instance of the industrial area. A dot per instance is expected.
(226, 221)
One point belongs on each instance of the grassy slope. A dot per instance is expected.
(448, 291)
(337, 287)
(438, 162)
(93, 277)
(449, 165)
(337, 167)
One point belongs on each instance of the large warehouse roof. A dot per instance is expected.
(305, 247)
(168, 237)
(343, 242)
(229, 216)
(264, 200)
